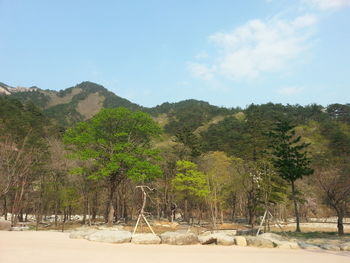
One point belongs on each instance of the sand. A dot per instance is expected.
(52, 247)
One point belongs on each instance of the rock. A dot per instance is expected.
(345, 246)
(19, 228)
(240, 241)
(279, 241)
(113, 228)
(330, 247)
(272, 236)
(146, 239)
(81, 234)
(304, 245)
(226, 231)
(5, 225)
(247, 232)
(178, 238)
(110, 236)
(259, 242)
(217, 238)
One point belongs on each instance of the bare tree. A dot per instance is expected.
(335, 185)
(16, 165)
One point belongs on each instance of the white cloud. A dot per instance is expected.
(201, 55)
(328, 4)
(290, 91)
(201, 71)
(257, 47)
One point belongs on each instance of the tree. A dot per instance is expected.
(218, 168)
(189, 183)
(334, 182)
(118, 141)
(290, 158)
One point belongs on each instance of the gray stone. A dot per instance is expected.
(330, 247)
(259, 242)
(226, 231)
(345, 246)
(279, 241)
(147, 239)
(110, 236)
(178, 238)
(19, 228)
(304, 245)
(240, 241)
(247, 232)
(5, 225)
(81, 234)
(217, 238)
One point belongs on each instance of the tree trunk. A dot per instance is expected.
(94, 206)
(340, 225)
(5, 207)
(186, 218)
(296, 210)
(112, 188)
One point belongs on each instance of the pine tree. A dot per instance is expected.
(290, 158)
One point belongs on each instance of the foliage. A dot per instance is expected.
(118, 141)
(289, 154)
(189, 182)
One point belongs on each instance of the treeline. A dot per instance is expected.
(207, 164)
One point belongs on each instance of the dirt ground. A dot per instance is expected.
(54, 247)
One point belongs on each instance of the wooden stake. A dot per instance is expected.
(141, 215)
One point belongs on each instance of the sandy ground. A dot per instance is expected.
(52, 247)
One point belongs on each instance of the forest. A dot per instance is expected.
(204, 164)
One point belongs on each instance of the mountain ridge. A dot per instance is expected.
(84, 100)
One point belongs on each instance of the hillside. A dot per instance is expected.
(84, 100)
(70, 105)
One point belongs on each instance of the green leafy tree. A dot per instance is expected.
(290, 158)
(189, 183)
(118, 141)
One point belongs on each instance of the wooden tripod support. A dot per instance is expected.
(141, 215)
(267, 212)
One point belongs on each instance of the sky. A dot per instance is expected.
(229, 53)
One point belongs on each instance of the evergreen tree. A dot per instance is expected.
(290, 158)
(118, 141)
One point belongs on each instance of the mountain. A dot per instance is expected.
(84, 100)
(8, 90)
(74, 104)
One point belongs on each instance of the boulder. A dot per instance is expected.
(179, 238)
(81, 234)
(5, 225)
(217, 238)
(304, 245)
(345, 246)
(147, 239)
(279, 241)
(110, 236)
(19, 228)
(259, 242)
(330, 247)
(240, 241)
(273, 237)
(247, 232)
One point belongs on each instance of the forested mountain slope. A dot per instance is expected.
(229, 152)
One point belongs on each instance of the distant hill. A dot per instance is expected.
(84, 100)
(74, 104)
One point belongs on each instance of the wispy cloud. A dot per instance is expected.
(328, 4)
(257, 47)
(201, 55)
(201, 71)
(290, 91)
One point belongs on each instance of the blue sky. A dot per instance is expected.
(229, 53)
